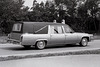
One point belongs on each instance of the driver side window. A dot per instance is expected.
(68, 29)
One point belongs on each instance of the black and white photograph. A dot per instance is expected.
(49, 33)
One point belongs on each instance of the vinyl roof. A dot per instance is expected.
(43, 23)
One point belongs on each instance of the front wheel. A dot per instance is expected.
(84, 42)
(40, 45)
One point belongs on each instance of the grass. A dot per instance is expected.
(3, 39)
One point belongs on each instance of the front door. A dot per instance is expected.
(70, 36)
(57, 35)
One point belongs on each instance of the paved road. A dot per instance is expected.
(61, 61)
(10, 49)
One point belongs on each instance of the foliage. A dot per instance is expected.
(11, 11)
(79, 14)
(87, 13)
(42, 12)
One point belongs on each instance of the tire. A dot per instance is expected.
(40, 45)
(84, 42)
(27, 46)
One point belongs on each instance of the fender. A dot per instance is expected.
(41, 39)
(31, 39)
(86, 37)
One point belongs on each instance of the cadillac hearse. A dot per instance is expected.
(42, 34)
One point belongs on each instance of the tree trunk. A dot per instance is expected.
(99, 28)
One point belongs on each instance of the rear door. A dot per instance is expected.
(16, 31)
(57, 35)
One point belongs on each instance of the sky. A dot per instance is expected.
(30, 2)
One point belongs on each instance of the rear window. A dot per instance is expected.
(17, 27)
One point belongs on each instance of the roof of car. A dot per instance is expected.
(28, 26)
(41, 23)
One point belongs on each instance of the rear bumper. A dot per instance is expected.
(13, 41)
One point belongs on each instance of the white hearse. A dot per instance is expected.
(42, 34)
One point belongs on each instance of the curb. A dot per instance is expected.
(39, 55)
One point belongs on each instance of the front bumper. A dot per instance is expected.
(91, 38)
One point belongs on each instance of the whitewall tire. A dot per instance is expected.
(40, 45)
(84, 42)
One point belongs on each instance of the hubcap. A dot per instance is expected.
(41, 45)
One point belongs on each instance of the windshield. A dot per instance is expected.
(68, 29)
(17, 27)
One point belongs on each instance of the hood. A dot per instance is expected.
(85, 34)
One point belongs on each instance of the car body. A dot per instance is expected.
(41, 34)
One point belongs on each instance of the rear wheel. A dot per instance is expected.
(84, 42)
(40, 45)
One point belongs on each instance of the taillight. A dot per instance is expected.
(21, 38)
(9, 36)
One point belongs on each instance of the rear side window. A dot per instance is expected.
(43, 30)
(56, 29)
(17, 27)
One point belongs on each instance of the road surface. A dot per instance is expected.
(58, 61)
(8, 49)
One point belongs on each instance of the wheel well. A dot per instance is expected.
(45, 41)
(86, 37)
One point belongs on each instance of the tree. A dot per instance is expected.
(42, 12)
(87, 13)
(37, 9)
(80, 13)
(10, 11)
(69, 6)
(50, 11)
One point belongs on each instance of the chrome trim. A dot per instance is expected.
(13, 41)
